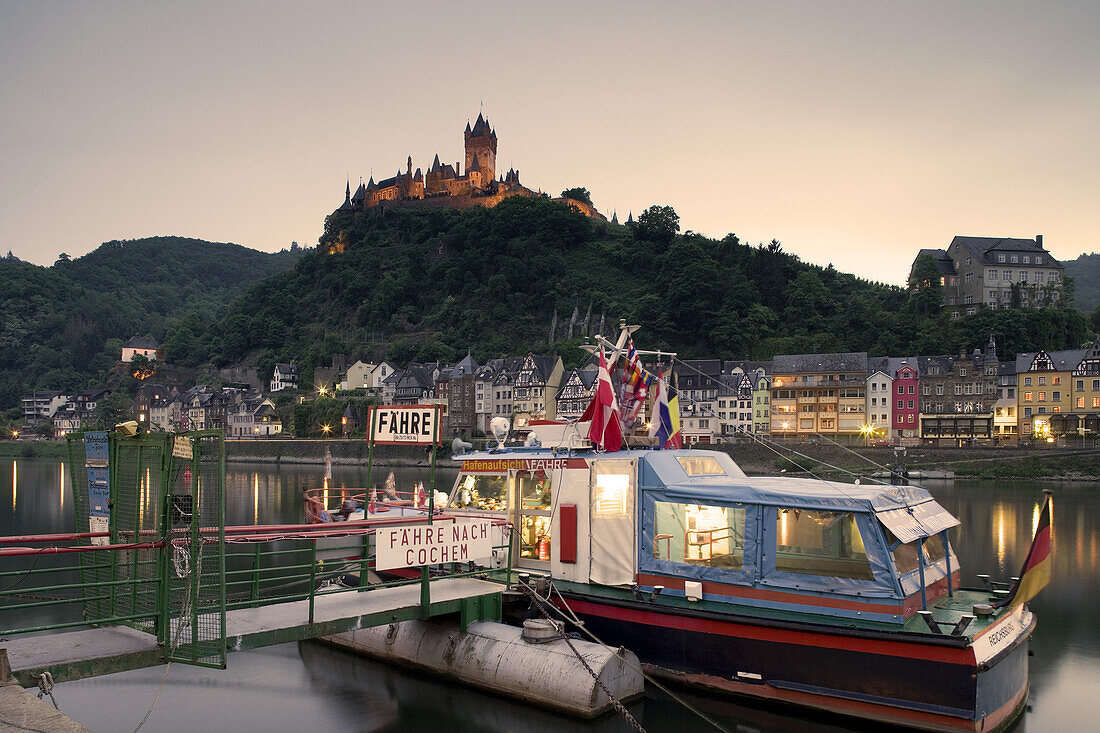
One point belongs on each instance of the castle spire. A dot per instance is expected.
(347, 192)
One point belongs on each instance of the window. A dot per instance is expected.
(1042, 410)
(1056, 395)
(901, 419)
(910, 418)
(1023, 276)
(820, 543)
(1025, 259)
(962, 371)
(1000, 258)
(958, 389)
(1027, 397)
(993, 274)
(1096, 384)
(1027, 381)
(1042, 396)
(900, 387)
(910, 404)
(1080, 401)
(939, 389)
(901, 404)
(1038, 260)
(480, 491)
(1027, 412)
(912, 389)
(1055, 380)
(1096, 401)
(971, 310)
(969, 276)
(968, 261)
(926, 390)
(1013, 258)
(1042, 380)
(693, 534)
(701, 466)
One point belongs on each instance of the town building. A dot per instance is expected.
(140, 346)
(999, 272)
(461, 402)
(77, 413)
(819, 394)
(535, 393)
(285, 377)
(957, 396)
(251, 415)
(576, 391)
(879, 400)
(1045, 381)
(40, 405)
(761, 406)
(1006, 428)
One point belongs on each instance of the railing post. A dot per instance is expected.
(364, 566)
(254, 594)
(312, 576)
(425, 593)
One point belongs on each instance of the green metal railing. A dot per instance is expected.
(264, 565)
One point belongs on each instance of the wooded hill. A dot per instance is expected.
(431, 285)
(62, 327)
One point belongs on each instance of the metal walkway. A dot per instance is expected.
(91, 652)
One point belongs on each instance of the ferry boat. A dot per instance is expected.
(811, 593)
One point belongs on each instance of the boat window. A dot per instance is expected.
(701, 466)
(933, 546)
(534, 489)
(905, 556)
(820, 543)
(612, 490)
(699, 534)
(480, 491)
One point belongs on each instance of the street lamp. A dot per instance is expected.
(326, 428)
(321, 390)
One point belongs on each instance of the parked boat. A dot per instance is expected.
(818, 594)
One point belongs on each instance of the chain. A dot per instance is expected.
(619, 707)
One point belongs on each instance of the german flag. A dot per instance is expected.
(1036, 572)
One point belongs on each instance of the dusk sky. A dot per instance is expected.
(853, 132)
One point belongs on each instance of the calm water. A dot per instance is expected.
(292, 688)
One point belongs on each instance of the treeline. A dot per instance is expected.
(62, 327)
(429, 286)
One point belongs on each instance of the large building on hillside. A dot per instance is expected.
(472, 182)
(999, 272)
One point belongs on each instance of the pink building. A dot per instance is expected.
(905, 405)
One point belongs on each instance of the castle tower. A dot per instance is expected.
(481, 142)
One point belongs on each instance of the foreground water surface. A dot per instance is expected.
(310, 687)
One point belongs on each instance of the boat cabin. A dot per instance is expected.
(692, 522)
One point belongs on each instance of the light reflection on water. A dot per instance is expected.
(284, 688)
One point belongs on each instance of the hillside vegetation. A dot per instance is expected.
(1085, 271)
(432, 285)
(62, 327)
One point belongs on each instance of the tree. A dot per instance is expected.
(578, 194)
(657, 224)
(925, 293)
(111, 410)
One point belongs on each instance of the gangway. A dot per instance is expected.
(161, 578)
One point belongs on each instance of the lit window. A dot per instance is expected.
(820, 543)
(1027, 397)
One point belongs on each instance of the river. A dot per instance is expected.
(309, 687)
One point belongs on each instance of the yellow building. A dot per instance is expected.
(1044, 389)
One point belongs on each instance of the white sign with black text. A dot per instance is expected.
(404, 424)
(432, 544)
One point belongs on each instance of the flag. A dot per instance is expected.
(420, 498)
(1036, 572)
(660, 421)
(605, 430)
(676, 439)
(372, 505)
(636, 383)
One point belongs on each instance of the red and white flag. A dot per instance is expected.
(372, 505)
(606, 430)
(420, 498)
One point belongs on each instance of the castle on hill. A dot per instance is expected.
(445, 185)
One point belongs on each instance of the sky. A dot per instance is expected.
(855, 133)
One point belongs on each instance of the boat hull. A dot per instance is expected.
(871, 675)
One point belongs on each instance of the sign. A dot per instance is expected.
(405, 425)
(181, 448)
(432, 544)
(99, 492)
(500, 465)
(1000, 635)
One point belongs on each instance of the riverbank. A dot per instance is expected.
(825, 460)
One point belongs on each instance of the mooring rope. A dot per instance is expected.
(181, 563)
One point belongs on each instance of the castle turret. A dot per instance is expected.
(481, 142)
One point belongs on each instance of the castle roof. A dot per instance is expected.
(474, 166)
(481, 127)
(418, 176)
(360, 193)
(435, 165)
(371, 185)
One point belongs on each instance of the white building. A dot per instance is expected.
(285, 377)
(878, 404)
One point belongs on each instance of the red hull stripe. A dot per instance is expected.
(964, 656)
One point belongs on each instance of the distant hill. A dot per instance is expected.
(433, 285)
(1085, 271)
(62, 327)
